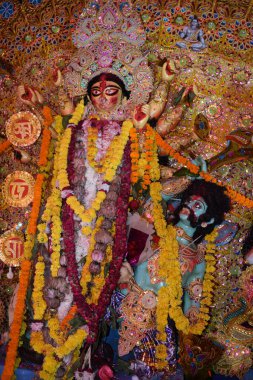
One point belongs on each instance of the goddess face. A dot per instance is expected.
(106, 95)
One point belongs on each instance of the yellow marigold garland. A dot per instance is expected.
(28, 246)
(109, 169)
(92, 149)
(38, 343)
(52, 211)
(56, 233)
(78, 113)
(50, 366)
(63, 159)
(58, 127)
(86, 276)
(55, 330)
(170, 296)
(71, 343)
(53, 354)
(39, 304)
(51, 214)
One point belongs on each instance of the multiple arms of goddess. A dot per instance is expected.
(155, 107)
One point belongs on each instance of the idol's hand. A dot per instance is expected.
(126, 272)
(168, 71)
(65, 103)
(29, 95)
(57, 77)
(141, 116)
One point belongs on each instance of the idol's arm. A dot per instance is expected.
(159, 100)
(192, 292)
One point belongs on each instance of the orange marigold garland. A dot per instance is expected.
(15, 328)
(153, 160)
(48, 118)
(4, 145)
(65, 322)
(24, 274)
(134, 154)
(145, 167)
(32, 224)
(173, 153)
(148, 147)
(234, 195)
(46, 139)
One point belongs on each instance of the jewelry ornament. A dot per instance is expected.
(108, 40)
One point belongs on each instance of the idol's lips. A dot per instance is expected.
(185, 211)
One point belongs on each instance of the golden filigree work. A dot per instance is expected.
(18, 189)
(23, 128)
(12, 247)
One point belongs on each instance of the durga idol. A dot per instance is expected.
(105, 150)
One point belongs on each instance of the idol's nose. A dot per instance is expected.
(102, 99)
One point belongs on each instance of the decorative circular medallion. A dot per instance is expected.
(214, 111)
(12, 247)
(241, 76)
(23, 128)
(18, 189)
(148, 300)
(246, 121)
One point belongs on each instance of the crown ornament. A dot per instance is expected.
(108, 38)
(115, 18)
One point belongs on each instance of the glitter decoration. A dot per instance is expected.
(6, 9)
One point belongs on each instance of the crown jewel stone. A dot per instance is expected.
(108, 17)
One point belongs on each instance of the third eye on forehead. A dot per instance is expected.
(109, 89)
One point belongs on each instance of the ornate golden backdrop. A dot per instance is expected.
(36, 40)
(40, 25)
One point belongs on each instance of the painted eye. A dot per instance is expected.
(95, 92)
(112, 91)
(197, 205)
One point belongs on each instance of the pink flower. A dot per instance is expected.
(36, 326)
(105, 373)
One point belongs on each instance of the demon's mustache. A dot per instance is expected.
(192, 217)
